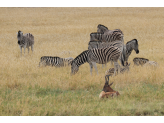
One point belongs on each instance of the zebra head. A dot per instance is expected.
(133, 44)
(74, 67)
(19, 36)
(136, 46)
(101, 28)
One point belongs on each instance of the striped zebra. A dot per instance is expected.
(25, 41)
(100, 56)
(101, 28)
(108, 36)
(105, 35)
(96, 36)
(140, 61)
(100, 44)
(55, 61)
(128, 48)
(110, 71)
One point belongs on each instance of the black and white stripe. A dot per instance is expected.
(100, 56)
(96, 36)
(55, 61)
(127, 49)
(100, 44)
(25, 41)
(113, 35)
(108, 36)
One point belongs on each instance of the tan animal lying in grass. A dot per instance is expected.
(107, 90)
(107, 94)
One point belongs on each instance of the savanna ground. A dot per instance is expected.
(26, 89)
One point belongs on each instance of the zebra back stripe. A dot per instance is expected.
(55, 61)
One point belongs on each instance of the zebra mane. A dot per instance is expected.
(132, 40)
(102, 26)
(118, 30)
(81, 55)
(96, 33)
(94, 41)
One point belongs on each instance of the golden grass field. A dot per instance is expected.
(26, 89)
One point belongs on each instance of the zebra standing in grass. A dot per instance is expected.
(128, 48)
(100, 44)
(109, 36)
(100, 56)
(25, 41)
(55, 61)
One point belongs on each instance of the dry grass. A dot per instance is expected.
(27, 89)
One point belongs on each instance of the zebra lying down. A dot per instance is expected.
(54, 61)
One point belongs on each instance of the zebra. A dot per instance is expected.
(55, 61)
(25, 41)
(96, 36)
(110, 71)
(108, 36)
(101, 28)
(100, 44)
(101, 56)
(140, 61)
(127, 49)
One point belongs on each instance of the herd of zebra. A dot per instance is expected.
(105, 45)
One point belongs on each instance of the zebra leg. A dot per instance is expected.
(24, 49)
(116, 68)
(94, 65)
(91, 67)
(28, 50)
(32, 48)
(111, 63)
(102, 65)
(20, 50)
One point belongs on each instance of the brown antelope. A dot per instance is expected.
(107, 90)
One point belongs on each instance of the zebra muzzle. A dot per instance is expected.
(137, 51)
(18, 42)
